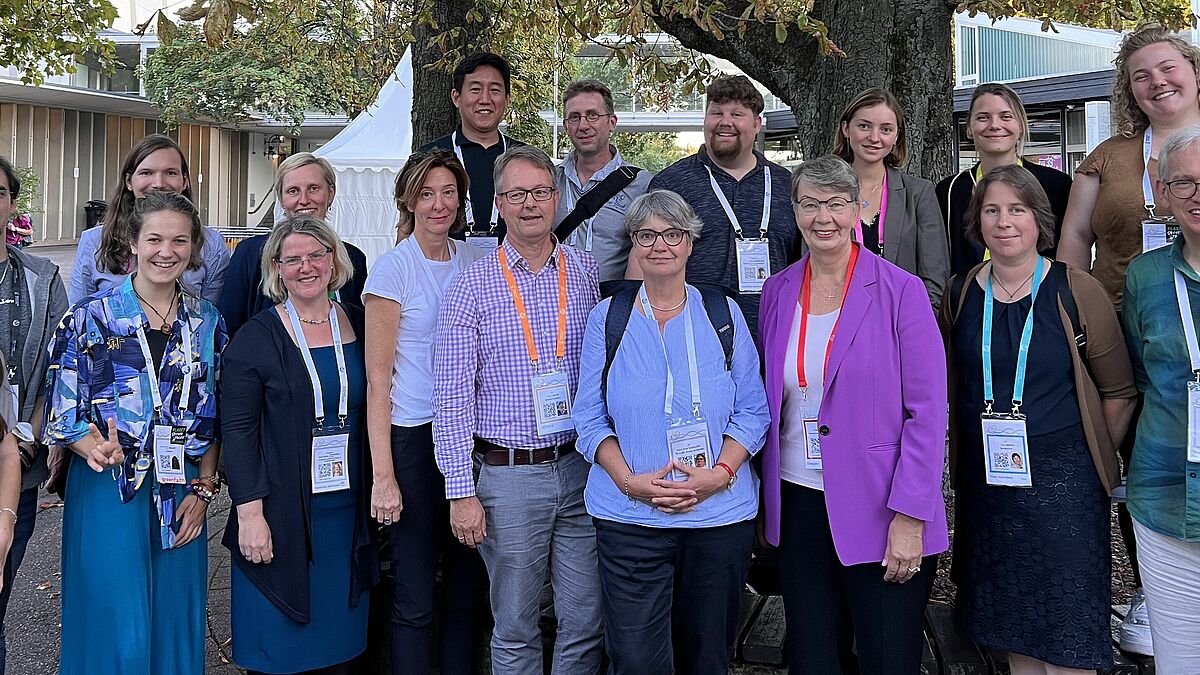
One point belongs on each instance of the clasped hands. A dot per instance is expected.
(668, 496)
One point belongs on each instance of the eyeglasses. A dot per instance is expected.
(540, 194)
(672, 237)
(1183, 189)
(835, 205)
(591, 116)
(311, 258)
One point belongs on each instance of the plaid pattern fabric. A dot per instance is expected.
(481, 367)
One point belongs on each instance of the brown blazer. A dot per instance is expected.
(1108, 361)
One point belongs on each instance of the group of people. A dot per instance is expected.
(488, 396)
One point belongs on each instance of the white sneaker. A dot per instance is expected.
(1135, 628)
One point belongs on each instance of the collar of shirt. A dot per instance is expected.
(463, 141)
(572, 174)
(1179, 263)
(703, 158)
(516, 260)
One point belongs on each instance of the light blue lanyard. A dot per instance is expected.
(693, 371)
(1023, 350)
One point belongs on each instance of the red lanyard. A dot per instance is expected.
(560, 346)
(805, 290)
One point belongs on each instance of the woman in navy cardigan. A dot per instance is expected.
(302, 549)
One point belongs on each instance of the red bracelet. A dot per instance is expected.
(725, 466)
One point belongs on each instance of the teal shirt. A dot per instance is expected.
(1163, 487)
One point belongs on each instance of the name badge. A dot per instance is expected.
(551, 403)
(168, 453)
(754, 265)
(330, 461)
(687, 444)
(1158, 232)
(1006, 452)
(487, 244)
(812, 445)
(1193, 437)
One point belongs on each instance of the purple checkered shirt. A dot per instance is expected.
(481, 368)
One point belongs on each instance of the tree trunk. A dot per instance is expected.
(433, 115)
(901, 45)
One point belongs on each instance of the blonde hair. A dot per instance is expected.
(1012, 99)
(299, 160)
(272, 280)
(1128, 115)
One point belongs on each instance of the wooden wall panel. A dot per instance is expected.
(8, 129)
(52, 218)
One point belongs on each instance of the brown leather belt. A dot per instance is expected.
(498, 455)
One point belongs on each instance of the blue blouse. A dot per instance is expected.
(205, 282)
(733, 403)
(97, 371)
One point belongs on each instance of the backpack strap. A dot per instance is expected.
(958, 289)
(716, 306)
(593, 200)
(619, 309)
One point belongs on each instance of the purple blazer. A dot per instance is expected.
(883, 415)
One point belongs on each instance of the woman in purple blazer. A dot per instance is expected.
(852, 468)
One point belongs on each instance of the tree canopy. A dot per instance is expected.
(42, 38)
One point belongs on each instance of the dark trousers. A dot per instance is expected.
(26, 514)
(420, 540)
(672, 596)
(844, 619)
(1124, 520)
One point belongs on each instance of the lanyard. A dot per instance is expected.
(883, 199)
(693, 370)
(15, 333)
(805, 291)
(471, 211)
(339, 354)
(1189, 324)
(438, 291)
(152, 368)
(1023, 349)
(560, 346)
(733, 219)
(1147, 189)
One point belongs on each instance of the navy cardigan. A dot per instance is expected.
(266, 408)
(242, 298)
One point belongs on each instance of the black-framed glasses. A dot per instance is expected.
(540, 194)
(591, 116)
(1183, 189)
(835, 205)
(671, 237)
(311, 258)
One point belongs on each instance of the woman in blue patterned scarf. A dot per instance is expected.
(144, 468)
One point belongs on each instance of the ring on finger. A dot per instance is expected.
(914, 570)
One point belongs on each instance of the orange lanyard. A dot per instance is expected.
(805, 290)
(560, 348)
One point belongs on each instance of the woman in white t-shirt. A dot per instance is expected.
(402, 295)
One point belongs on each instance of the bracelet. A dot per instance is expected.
(727, 468)
(202, 489)
(626, 487)
(14, 513)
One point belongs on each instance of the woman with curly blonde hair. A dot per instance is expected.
(1156, 93)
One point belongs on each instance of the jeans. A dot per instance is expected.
(420, 541)
(26, 514)
(672, 597)
(536, 521)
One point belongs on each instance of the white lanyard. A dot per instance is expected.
(470, 210)
(693, 371)
(343, 385)
(1147, 188)
(426, 266)
(733, 219)
(1189, 324)
(152, 367)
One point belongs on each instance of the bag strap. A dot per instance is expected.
(716, 306)
(1067, 299)
(593, 200)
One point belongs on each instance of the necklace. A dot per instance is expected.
(166, 325)
(670, 309)
(866, 202)
(1005, 289)
(311, 322)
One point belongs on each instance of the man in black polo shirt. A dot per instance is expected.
(482, 85)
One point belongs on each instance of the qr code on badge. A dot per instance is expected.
(324, 471)
(1000, 460)
(549, 410)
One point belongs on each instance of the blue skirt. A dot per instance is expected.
(266, 640)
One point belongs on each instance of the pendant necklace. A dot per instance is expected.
(166, 325)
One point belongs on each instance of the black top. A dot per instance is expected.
(266, 407)
(1050, 403)
(478, 161)
(870, 233)
(954, 195)
(158, 345)
(242, 296)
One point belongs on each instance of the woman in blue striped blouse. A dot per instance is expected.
(670, 489)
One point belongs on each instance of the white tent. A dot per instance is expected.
(367, 155)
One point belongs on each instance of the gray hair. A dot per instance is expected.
(272, 281)
(668, 207)
(524, 153)
(1179, 142)
(827, 172)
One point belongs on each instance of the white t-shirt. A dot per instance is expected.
(404, 276)
(797, 408)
